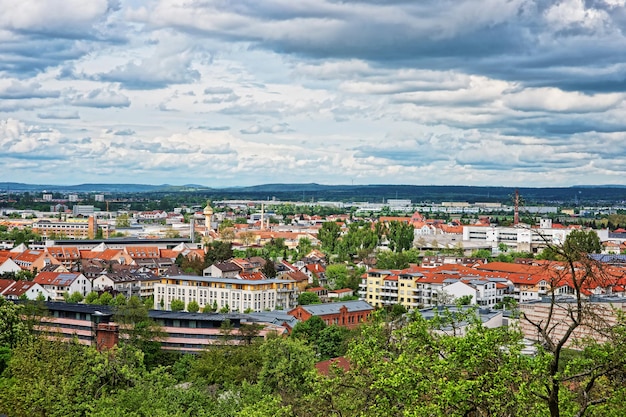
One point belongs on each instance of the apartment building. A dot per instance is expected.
(519, 238)
(232, 293)
(75, 229)
(408, 287)
(599, 308)
(184, 332)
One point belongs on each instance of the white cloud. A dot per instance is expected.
(225, 93)
(99, 98)
(53, 15)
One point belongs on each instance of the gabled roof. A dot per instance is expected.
(169, 253)
(142, 251)
(252, 276)
(227, 267)
(5, 284)
(63, 252)
(315, 268)
(18, 289)
(298, 276)
(29, 256)
(62, 279)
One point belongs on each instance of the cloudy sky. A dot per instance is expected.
(221, 93)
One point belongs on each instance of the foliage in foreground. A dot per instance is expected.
(450, 366)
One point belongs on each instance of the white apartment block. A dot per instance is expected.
(236, 294)
(519, 238)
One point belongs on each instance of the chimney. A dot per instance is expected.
(107, 336)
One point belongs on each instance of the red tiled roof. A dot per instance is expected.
(5, 283)
(18, 289)
(252, 276)
(55, 278)
(325, 367)
(315, 268)
(297, 276)
(342, 291)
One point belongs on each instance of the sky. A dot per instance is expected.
(245, 92)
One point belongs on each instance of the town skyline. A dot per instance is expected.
(223, 94)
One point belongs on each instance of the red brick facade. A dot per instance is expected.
(343, 317)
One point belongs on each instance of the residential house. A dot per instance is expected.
(66, 256)
(340, 293)
(222, 270)
(59, 283)
(8, 266)
(254, 264)
(300, 278)
(34, 260)
(321, 292)
(27, 289)
(315, 272)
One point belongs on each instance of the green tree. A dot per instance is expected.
(579, 243)
(482, 254)
(275, 249)
(177, 305)
(55, 378)
(13, 328)
(120, 300)
(288, 366)
(360, 239)
(269, 270)
(91, 298)
(75, 297)
(122, 221)
(332, 342)
(417, 370)
(306, 298)
(225, 224)
(465, 300)
(328, 236)
(304, 246)
(105, 299)
(309, 330)
(193, 306)
(400, 236)
(227, 365)
(210, 308)
(577, 387)
(337, 275)
(138, 330)
(217, 251)
(397, 310)
(386, 259)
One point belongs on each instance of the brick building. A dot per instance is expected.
(345, 314)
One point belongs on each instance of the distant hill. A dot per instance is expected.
(95, 188)
(580, 195)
